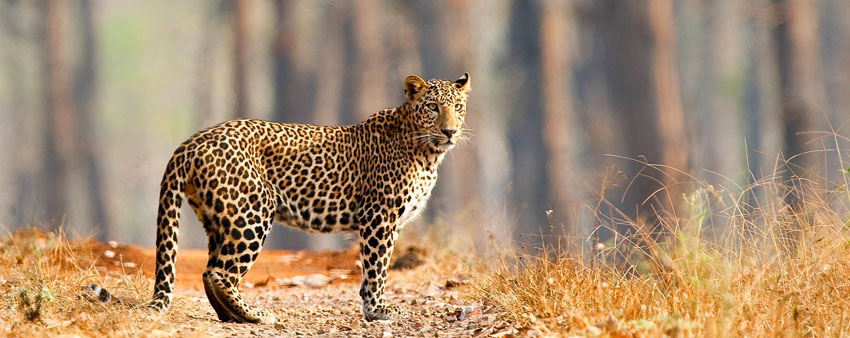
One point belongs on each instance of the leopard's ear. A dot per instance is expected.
(462, 83)
(414, 87)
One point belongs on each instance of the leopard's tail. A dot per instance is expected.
(167, 225)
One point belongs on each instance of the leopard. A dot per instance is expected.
(369, 178)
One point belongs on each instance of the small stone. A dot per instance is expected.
(505, 332)
(410, 259)
(263, 282)
(387, 334)
(109, 254)
(316, 280)
(433, 290)
(279, 326)
(129, 265)
(593, 331)
(456, 281)
(113, 244)
(159, 333)
(453, 295)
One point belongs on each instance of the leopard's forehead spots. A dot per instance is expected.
(444, 91)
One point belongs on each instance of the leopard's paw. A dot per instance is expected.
(383, 312)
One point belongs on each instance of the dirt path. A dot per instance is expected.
(313, 294)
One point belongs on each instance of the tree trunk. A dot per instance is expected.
(836, 23)
(800, 80)
(556, 84)
(20, 121)
(86, 90)
(668, 98)
(59, 116)
(429, 30)
(529, 187)
(643, 83)
(488, 101)
(241, 27)
(330, 79)
(291, 98)
(628, 65)
(839, 76)
(720, 118)
(370, 58)
(204, 80)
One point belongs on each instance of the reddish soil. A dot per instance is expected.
(192, 262)
(430, 302)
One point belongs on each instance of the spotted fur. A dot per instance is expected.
(370, 178)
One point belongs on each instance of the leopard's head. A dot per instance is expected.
(438, 110)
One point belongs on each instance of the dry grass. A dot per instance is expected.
(42, 282)
(736, 261)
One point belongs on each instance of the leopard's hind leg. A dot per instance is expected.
(215, 237)
(221, 310)
(242, 237)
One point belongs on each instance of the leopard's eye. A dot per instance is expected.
(458, 107)
(431, 106)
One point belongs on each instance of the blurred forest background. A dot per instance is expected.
(96, 94)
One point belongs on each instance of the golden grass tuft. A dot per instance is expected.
(768, 259)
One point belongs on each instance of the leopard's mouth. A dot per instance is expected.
(443, 144)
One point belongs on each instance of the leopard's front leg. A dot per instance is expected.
(376, 247)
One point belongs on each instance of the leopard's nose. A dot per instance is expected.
(449, 132)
